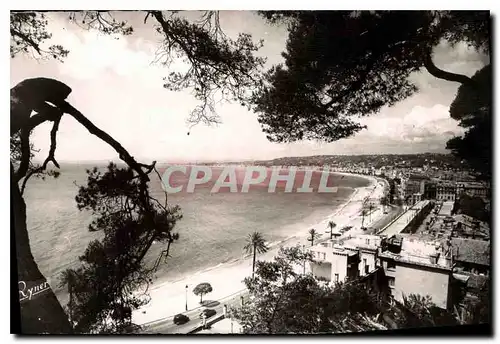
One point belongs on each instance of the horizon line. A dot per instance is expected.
(236, 160)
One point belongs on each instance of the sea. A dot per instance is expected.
(212, 232)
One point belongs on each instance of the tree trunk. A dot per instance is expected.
(441, 74)
(254, 256)
(201, 298)
(40, 311)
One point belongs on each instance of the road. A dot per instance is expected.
(394, 212)
(166, 326)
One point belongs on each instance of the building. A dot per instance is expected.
(430, 190)
(449, 191)
(333, 262)
(415, 184)
(445, 209)
(470, 285)
(474, 189)
(471, 255)
(414, 198)
(342, 260)
(367, 246)
(446, 192)
(413, 266)
(470, 228)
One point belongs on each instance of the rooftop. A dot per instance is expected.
(473, 281)
(349, 245)
(446, 208)
(414, 250)
(364, 241)
(477, 281)
(333, 246)
(470, 221)
(415, 176)
(471, 251)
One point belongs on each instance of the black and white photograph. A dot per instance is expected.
(251, 172)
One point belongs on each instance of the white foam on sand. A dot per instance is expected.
(169, 298)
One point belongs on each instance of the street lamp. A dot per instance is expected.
(186, 297)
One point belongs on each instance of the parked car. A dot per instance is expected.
(208, 313)
(180, 319)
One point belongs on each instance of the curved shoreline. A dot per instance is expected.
(170, 297)
(276, 244)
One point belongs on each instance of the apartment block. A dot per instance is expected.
(417, 267)
(344, 260)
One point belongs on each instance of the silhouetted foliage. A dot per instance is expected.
(343, 64)
(472, 108)
(106, 288)
(34, 169)
(472, 206)
(218, 68)
(28, 30)
(284, 301)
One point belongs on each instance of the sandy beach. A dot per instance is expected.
(169, 298)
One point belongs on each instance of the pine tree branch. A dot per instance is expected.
(94, 130)
(26, 39)
(442, 74)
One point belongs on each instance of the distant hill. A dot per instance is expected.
(396, 160)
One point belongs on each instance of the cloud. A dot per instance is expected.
(419, 124)
(115, 86)
(94, 54)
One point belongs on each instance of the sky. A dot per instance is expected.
(118, 87)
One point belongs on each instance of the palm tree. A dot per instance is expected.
(68, 277)
(331, 225)
(255, 243)
(313, 235)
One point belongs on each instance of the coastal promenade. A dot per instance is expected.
(351, 216)
(168, 299)
(400, 224)
(167, 326)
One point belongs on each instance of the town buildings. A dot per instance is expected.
(451, 190)
(342, 260)
(471, 255)
(415, 188)
(468, 227)
(427, 250)
(421, 252)
(413, 266)
(410, 266)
